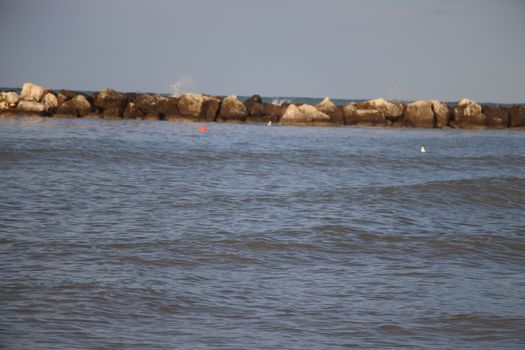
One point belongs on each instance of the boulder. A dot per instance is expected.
(232, 109)
(254, 106)
(61, 98)
(349, 111)
(517, 115)
(334, 112)
(168, 107)
(78, 106)
(110, 102)
(497, 117)
(32, 92)
(210, 109)
(362, 117)
(9, 98)
(468, 114)
(369, 117)
(420, 114)
(304, 114)
(31, 107)
(191, 104)
(441, 114)
(197, 106)
(132, 112)
(387, 108)
(153, 107)
(50, 102)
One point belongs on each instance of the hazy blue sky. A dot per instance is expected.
(406, 49)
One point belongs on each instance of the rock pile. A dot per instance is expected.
(111, 104)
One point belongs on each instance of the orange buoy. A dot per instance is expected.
(203, 128)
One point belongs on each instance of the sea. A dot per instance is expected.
(163, 235)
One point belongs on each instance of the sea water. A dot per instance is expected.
(154, 235)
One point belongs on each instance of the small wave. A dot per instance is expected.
(281, 101)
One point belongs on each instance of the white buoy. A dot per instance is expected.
(423, 149)
(269, 123)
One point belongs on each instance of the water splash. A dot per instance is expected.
(280, 101)
(181, 86)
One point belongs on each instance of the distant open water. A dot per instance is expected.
(151, 235)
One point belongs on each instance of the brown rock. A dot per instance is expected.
(469, 114)
(304, 115)
(420, 114)
(110, 103)
(497, 117)
(387, 108)
(78, 106)
(132, 112)
(232, 109)
(254, 106)
(517, 115)
(442, 114)
(328, 107)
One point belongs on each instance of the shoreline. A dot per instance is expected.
(191, 107)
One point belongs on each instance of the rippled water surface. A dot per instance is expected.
(151, 235)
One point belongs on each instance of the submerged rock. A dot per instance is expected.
(304, 114)
(32, 92)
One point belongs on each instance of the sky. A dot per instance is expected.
(404, 49)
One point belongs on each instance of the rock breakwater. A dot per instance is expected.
(110, 104)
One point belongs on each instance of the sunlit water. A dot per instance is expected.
(152, 235)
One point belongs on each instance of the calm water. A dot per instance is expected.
(151, 235)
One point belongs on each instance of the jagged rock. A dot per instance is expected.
(328, 107)
(32, 92)
(133, 112)
(32, 107)
(387, 108)
(232, 109)
(304, 114)
(517, 115)
(468, 114)
(78, 106)
(110, 103)
(420, 114)
(50, 102)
